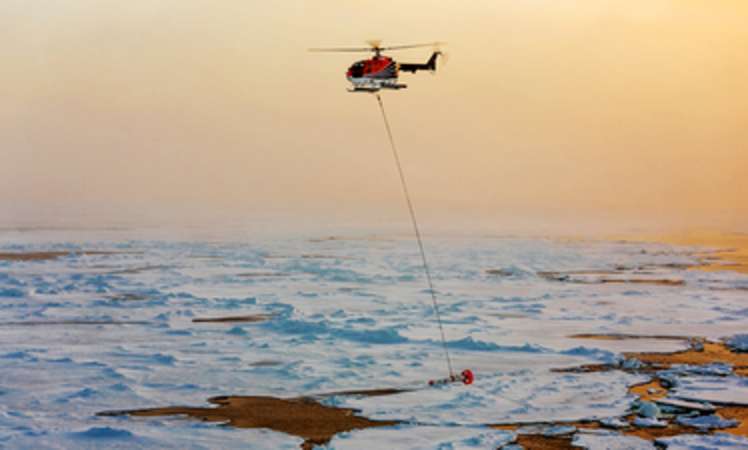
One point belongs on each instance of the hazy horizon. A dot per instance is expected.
(605, 114)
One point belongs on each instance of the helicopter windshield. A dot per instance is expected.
(357, 70)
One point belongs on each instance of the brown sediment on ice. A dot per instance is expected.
(559, 275)
(606, 277)
(654, 390)
(703, 353)
(654, 282)
(139, 269)
(266, 363)
(739, 413)
(48, 255)
(586, 368)
(364, 393)
(317, 424)
(500, 272)
(302, 417)
(650, 391)
(532, 441)
(128, 297)
(261, 274)
(722, 251)
(624, 336)
(232, 319)
(712, 352)
(540, 442)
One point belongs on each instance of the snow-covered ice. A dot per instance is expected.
(725, 390)
(423, 438)
(738, 343)
(705, 423)
(609, 440)
(717, 441)
(88, 333)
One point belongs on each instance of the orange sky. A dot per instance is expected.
(547, 111)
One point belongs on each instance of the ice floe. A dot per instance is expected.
(738, 343)
(716, 441)
(726, 390)
(81, 334)
(705, 423)
(423, 438)
(609, 440)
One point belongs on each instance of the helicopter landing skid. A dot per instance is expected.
(371, 88)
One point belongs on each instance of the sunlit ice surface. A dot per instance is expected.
(88, 332)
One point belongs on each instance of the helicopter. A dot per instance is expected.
(380, 71)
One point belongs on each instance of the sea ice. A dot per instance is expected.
(609, 440)
(716, 441)
(738, 343)
(87, 333)
(705, 423)
(649, 422)
(423, 438)
(729, 390)
(648, 409)
(614, 422)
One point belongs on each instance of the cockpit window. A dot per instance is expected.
(357, 70)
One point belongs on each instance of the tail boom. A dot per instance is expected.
(429, 65)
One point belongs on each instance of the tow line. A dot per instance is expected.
(466, 376)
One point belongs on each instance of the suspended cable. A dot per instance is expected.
(418, 234)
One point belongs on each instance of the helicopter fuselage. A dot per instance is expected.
(381, 72)
(371, 75)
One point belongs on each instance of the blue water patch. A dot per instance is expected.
(103, 433)
(357, 362)
(20, 355)
(84, 393)
(237, 331)
(373, 336)
(178, 333)
(314, 330)
(155, 358)
(11, 293)
(234, 303)
(468, 343)
(592, 353)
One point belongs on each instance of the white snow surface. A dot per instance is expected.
(716, 441)
(731, 390)
(423, 438)
(609, 440)
(345, 314)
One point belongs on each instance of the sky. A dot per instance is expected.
(546, 112)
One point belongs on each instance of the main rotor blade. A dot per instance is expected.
(400, 47)
(342, 49)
